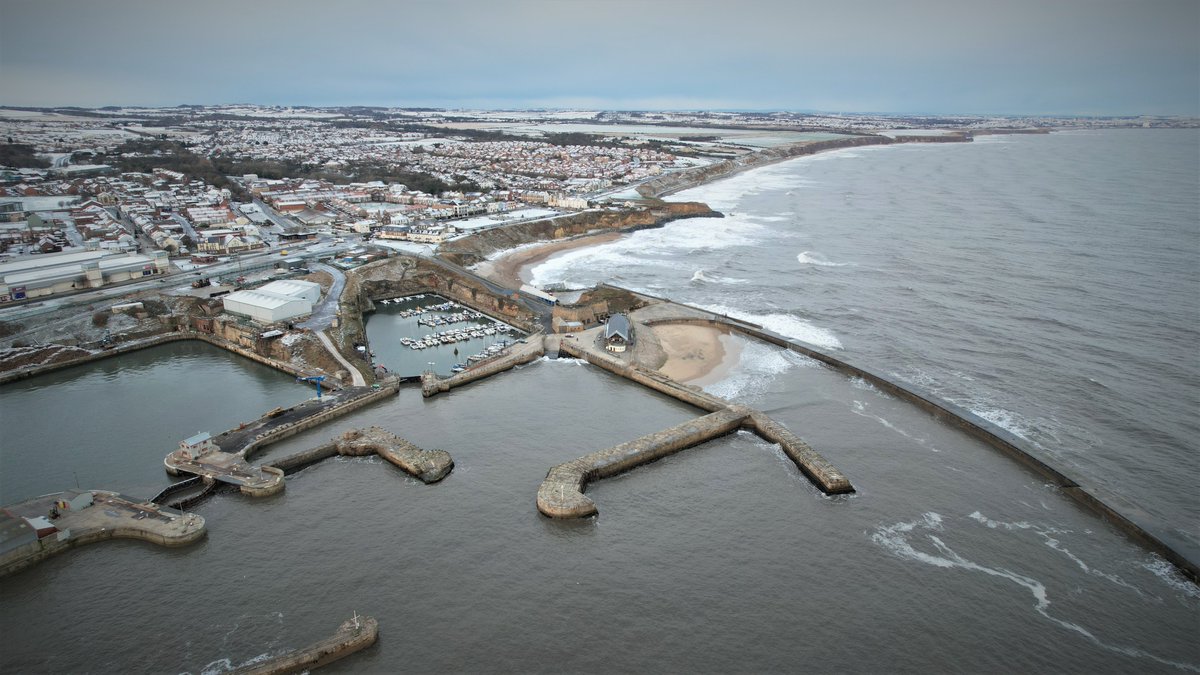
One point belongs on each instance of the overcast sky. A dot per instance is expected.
(964, 56)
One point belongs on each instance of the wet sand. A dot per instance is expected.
(697, 354)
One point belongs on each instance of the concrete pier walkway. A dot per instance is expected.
(38, 528)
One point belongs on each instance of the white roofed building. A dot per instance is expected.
(276, 301)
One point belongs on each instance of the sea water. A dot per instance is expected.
(721, 558)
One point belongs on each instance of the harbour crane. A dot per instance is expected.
(316, 378)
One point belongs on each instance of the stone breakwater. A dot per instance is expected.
(561, 493)
(429, 466)
(99, 516)
(353, 635)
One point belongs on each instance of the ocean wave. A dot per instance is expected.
(784, 324)
(700, 275)
(814, 258)
(860, 408)
(757, 366)
(653, 248)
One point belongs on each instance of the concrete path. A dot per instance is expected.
(356, 378)
(323, 313)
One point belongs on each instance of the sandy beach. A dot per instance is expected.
(697, 354)
(513, 268)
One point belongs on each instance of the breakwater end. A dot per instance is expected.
(353, 635)
(429, 466)
(38, 528)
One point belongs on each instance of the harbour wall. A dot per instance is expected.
(291, 429)
(32, 553)
(432, 385)
(561, 493)
(351, 636)
(1125, 516)
(146, 343)
(651, 379)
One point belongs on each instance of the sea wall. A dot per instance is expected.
(561, 493)
(1126, 517)
(647, 378)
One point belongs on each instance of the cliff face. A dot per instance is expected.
(477, 247)
(404, 275)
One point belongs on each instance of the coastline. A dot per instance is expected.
(513, 268)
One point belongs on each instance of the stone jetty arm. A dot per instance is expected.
(352, 636)
(561, 493)
(817, 468)
(430, 466)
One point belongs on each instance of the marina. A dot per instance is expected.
(401, 339)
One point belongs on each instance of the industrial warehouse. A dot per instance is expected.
(275, 302)
(51, 273)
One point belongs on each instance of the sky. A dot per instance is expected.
(1004, 57)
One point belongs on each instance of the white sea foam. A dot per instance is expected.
(860, 408)
(784, 324)
(814, 258)
(1170, 576)
(655, 248)
(757, 366)
(896, 539)
(702, 276)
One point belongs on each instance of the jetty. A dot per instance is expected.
(355, 634)
(428, 466)
(38, 528)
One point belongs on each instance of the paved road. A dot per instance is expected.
(323, 313)
(356, 378)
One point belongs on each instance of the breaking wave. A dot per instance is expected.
(814, 258)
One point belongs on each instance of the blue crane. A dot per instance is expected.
(316, 378)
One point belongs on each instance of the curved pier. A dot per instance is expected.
(1125, 516)
(41, 527)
